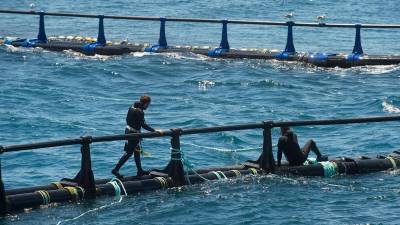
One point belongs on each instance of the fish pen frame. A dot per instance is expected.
(173, 175)
(356, 58)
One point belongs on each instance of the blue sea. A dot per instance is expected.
(48, 96)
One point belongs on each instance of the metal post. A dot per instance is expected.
(266, 160)
(101, 39)
(357, 49)
(42, 33)
(3, 203)
(85, 177)
(289, 42)
(224, 39)
(162, 40)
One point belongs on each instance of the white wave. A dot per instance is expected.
(204, 85)
(140, 54)
(78, 56)
(376, 70)
(387, 107)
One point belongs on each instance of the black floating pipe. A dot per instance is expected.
(42, 33)
(3, 203)
(266, 160)
(54, 186)
(101, 38)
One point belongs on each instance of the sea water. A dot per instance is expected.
(49, 96)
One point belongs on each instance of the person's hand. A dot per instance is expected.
(160, 131)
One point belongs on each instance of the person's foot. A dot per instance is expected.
(322, 158)
(117, 174)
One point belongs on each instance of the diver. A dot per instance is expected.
(289, 145)
(135, 121)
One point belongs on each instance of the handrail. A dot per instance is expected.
(190, 131)
(199, 20)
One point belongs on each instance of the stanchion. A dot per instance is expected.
(85, 177)
(174, 168)
(42, 38)
(266, 160)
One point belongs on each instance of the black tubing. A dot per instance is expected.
(199, 20)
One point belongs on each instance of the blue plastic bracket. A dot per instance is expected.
(42, 38)
(224, 45)
(357, 49)
(289, 42)
(162, 40)
(289, 49)
(101, 39)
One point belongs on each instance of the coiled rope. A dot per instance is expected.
(45, 196)
(117, 188)
(330, 168)
(393, 161)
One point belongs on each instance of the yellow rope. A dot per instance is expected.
(392, 160)
(73, 192)
(163, 182)
(58, 185)
(253, 171)
(45, 196)
(237, 173)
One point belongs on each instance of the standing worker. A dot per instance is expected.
(134, 122)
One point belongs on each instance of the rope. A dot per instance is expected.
(225, 150)
(58, 185)
(186, 164)
(330, 169)
(73, 192)
(237, 173)
(45, 196)
(122, 185)
(253, 171)
(163, 181)
(217, 175)
(310, 161)
(115, 185)
(393, 161)
(222, 174)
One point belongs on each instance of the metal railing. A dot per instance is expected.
(85, 177)
(357, 49)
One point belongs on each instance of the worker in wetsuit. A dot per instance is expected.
(135, 121)
(289, 145)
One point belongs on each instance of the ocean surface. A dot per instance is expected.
(48, 96)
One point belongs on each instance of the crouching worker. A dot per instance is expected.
(289, 145)
(135, 121)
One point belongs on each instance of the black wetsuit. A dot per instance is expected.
(135, 121)
(289, 145)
